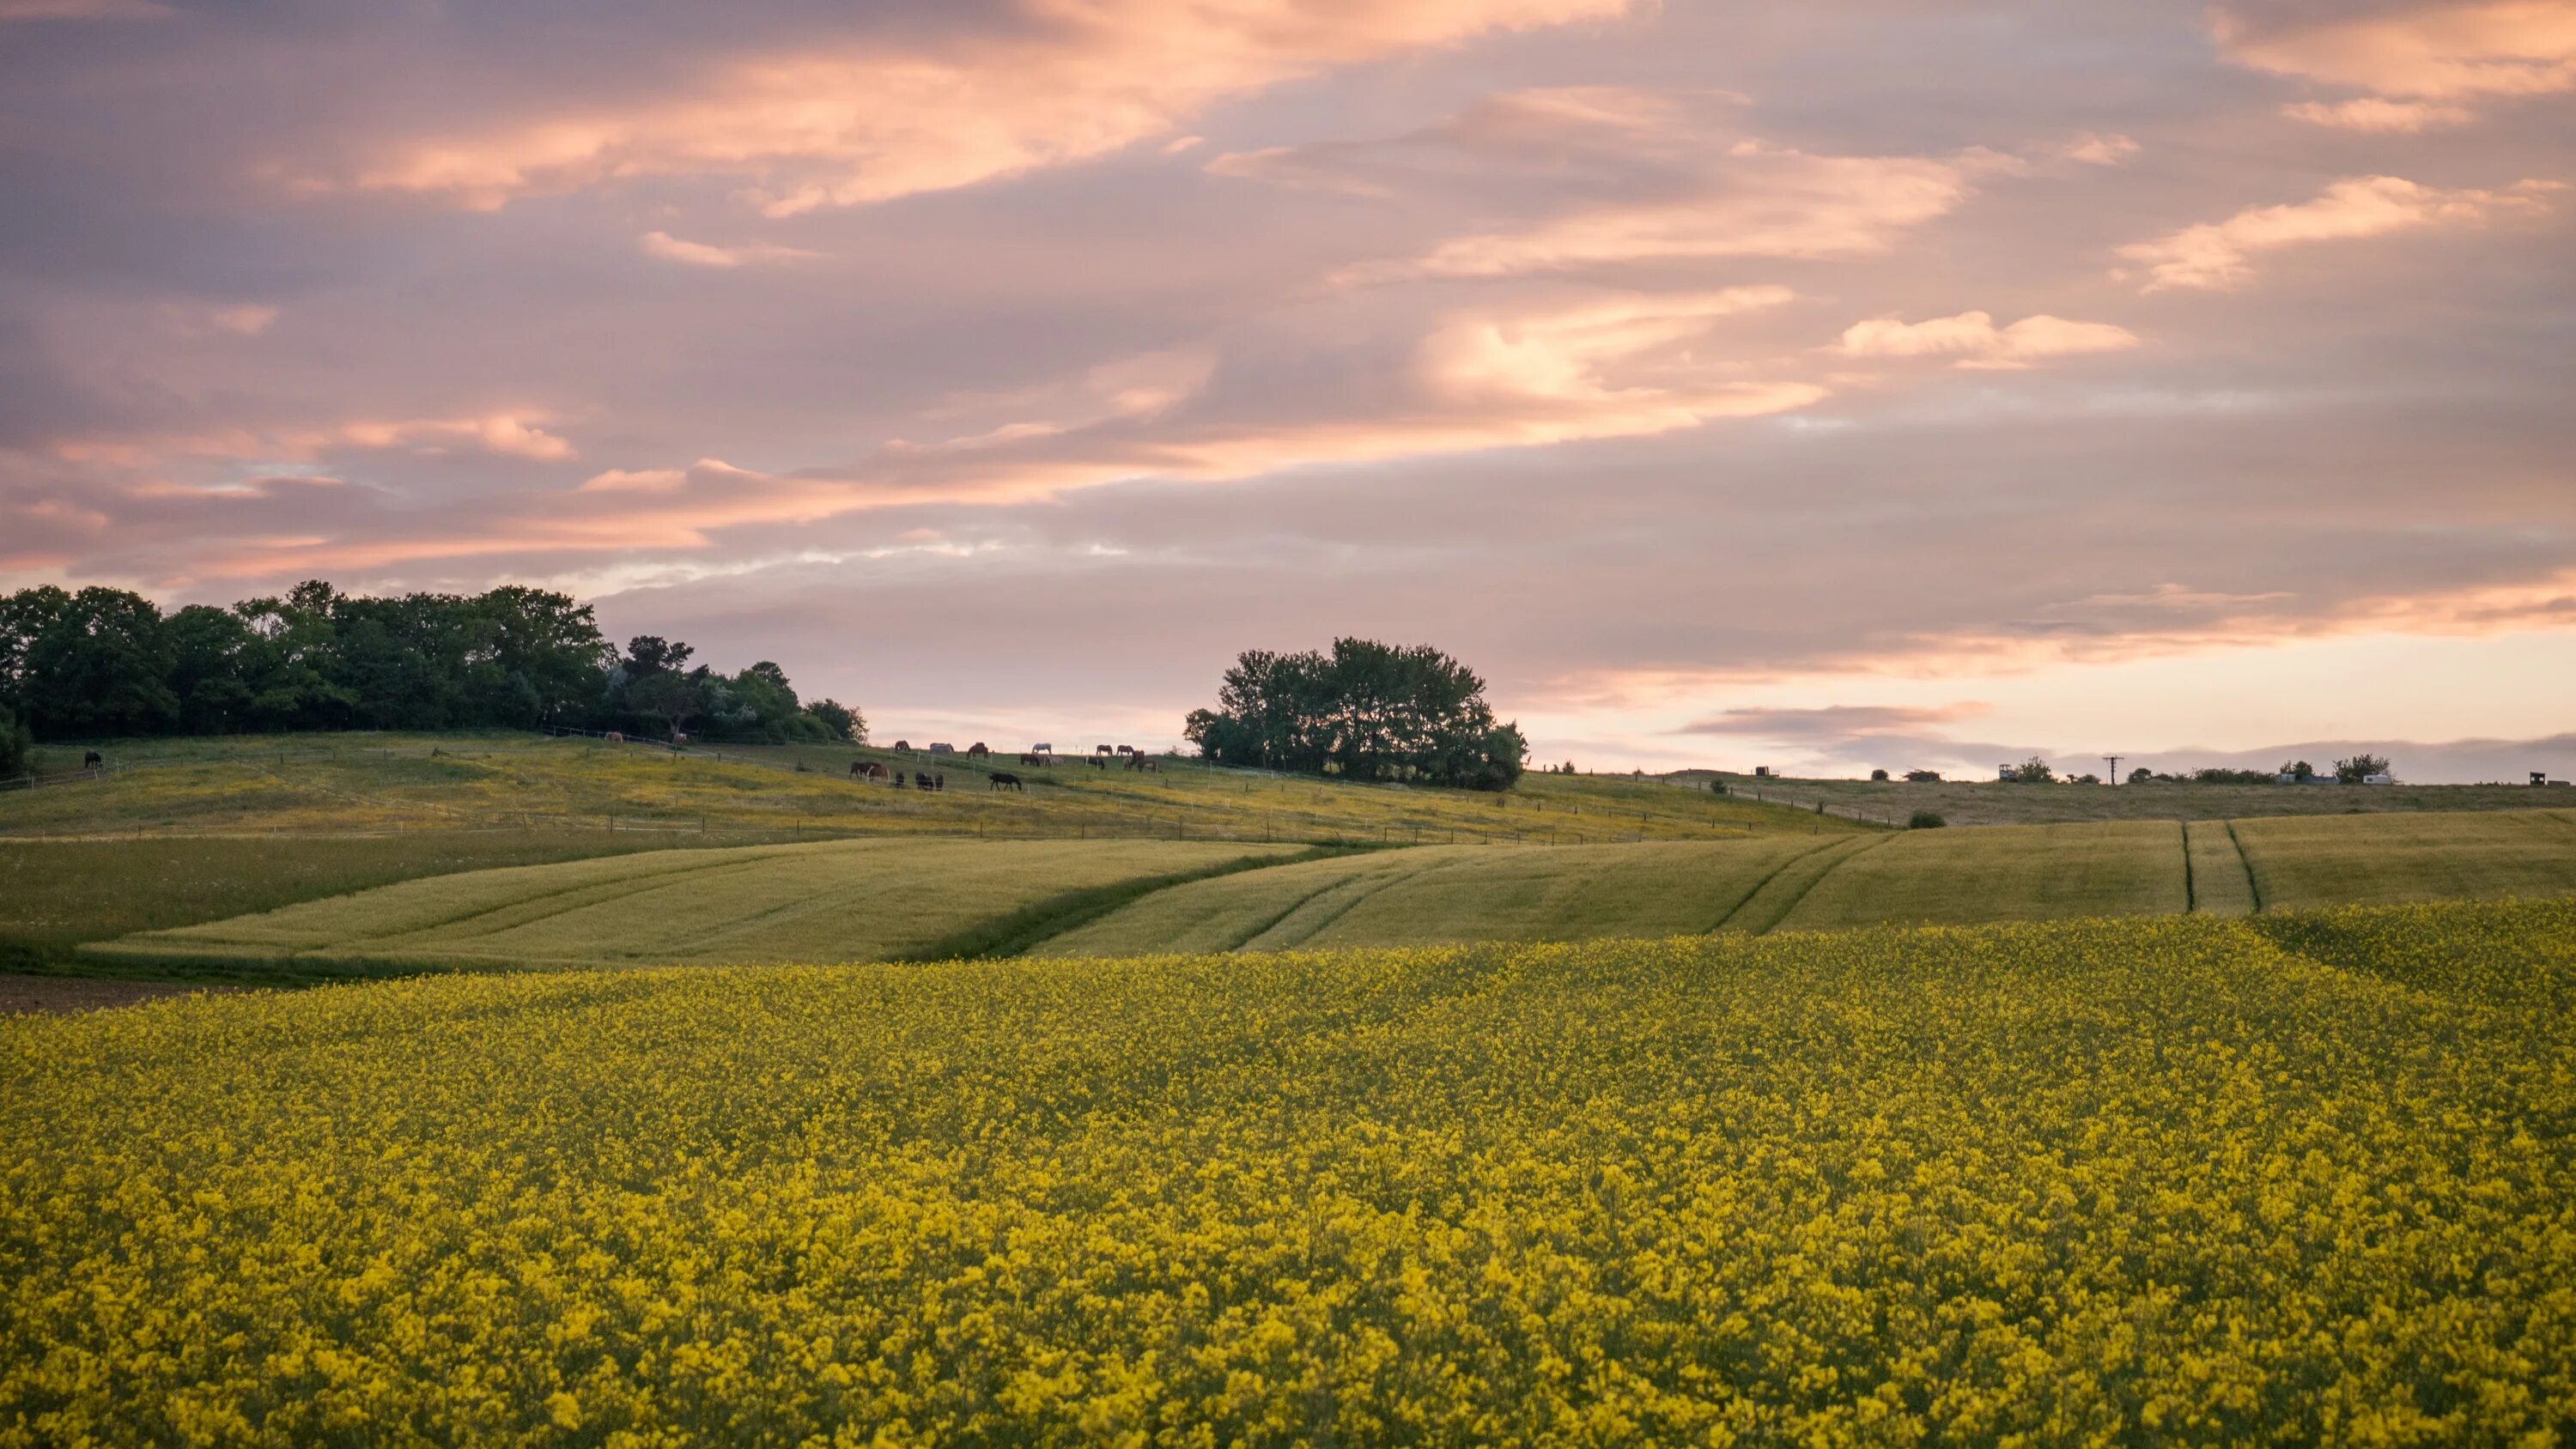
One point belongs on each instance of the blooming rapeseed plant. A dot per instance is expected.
(2279, 1180)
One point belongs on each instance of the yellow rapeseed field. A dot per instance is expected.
(2288, 1180)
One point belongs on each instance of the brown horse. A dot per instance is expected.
(1144, 762)
(1005, 780)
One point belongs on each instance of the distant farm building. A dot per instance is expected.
(2382, 779)
(2007, 772)
(1762, 772)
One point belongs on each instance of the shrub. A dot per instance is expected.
(1925, 820)
(1878, 776)
(15, 745)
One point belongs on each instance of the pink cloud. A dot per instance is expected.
(2374, 113)
(515, 433)
(1524, 373)
(2221, 254)
(1974, 341)
(706, 254)
(1621, 176)
(2416, 52)
(877, 121)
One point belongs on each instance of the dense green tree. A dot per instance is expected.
(840, 722)
(1366, 711)
(211, 651)
(539, 657)
(103, 661)
(98, 667)
(668, 698)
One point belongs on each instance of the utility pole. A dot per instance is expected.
(2115, 768)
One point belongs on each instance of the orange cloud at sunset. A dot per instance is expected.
(2420, 62)
(2221, 254)
(869, 122)
(1973, 339)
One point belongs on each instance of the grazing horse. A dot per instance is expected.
(1005, 780)
(1033, 759)
(1098, 763)
(1142, 762)
(898, 779)
(93, 760)
(921, 781)
(867, 770)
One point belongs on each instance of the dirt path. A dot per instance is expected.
(33, 995)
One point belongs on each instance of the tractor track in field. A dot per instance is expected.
(1393, 878)
(2252, 885)
(1756, 888)
(1810, 887)
(1266, 926)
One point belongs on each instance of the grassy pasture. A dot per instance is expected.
(55, 894)
(1993, 802)
(2296, 1179)
(363, 782)
(2385, 859)
(857, 900)
(875, 898)
(1929, 877)
(1959, 877)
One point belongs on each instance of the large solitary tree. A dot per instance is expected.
(1367, 711)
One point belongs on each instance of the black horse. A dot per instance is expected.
(93, 760)
(1005, 780)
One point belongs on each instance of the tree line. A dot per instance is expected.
(1367, 711)
(104, 662)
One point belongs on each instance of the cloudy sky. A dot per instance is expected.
(1867, 382)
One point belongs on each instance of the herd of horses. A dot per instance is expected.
(998, 780)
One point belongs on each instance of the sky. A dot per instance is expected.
(1848, 385)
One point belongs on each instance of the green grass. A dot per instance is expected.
(2220, 882)
(56, 894)
(2386, 859)
(357, 782)
(1993, 802)
(2008, 873)
(1928, 877)
(918, 897)
(859, 900)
